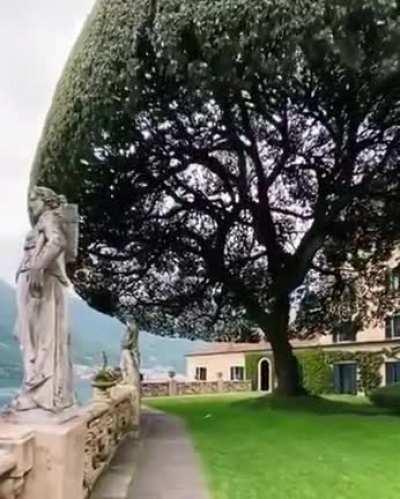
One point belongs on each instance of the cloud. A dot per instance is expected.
(36, 37)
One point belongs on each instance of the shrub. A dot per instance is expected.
(316, 372)
(387, 396)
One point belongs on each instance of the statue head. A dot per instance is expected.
(42, 199)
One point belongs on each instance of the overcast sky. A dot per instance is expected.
(36, 37)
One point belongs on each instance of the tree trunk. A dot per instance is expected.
(286, 365)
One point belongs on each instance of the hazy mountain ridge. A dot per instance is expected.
(92, 333)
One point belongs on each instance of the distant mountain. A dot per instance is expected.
(92, 333)
(9, 353)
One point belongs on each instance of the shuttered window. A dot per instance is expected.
(344, 332)
(392, 326)
(237, 373)
(393, 279)
(388, 327)
(392, 372)
(396, 326)
(201, 373)
(345, 378)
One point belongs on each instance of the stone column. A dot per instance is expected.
(173, 391)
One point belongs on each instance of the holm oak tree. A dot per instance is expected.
(222, 152)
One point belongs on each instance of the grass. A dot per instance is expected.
(269, 448)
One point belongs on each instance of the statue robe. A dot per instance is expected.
(42, 321)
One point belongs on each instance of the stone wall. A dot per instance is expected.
(155, 389)
(176, 388)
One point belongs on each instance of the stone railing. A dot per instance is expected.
(155, 389)
(174, 388)
(64, 459)
(107, 422)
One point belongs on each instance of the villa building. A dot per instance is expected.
(347, 351)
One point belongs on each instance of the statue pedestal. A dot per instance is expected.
(58, 457)
(61, 456)
(39, 416)
(16, 460)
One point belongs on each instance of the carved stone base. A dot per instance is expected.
(39, 416)
(58, 449)
(16, 460)
(60, 456)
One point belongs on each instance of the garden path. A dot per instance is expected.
(167, 465)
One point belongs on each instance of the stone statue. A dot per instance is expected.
(130, 357)
(41, 326)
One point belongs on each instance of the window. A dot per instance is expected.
(345, 378)
(394, 279)
(344, 332)
(237, 373)
(201, 374)
(392, 372)
(388, 327)
(396, 326)
(392, 326)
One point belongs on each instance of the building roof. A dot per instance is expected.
(297, 344)
(227, 347)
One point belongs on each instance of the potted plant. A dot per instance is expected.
(106, 377)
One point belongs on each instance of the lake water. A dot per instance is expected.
(83, 392)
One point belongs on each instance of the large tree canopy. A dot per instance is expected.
(226, 154)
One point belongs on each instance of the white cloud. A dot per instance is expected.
(35, 39)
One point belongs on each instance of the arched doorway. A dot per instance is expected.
(264, 375)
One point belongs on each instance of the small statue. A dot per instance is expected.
(130, 357)
(41, 327)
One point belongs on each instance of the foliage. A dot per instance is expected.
(227, 155)
(316, 371)
(251, 368)
(316, 447)
(107, 376)
(387, 396)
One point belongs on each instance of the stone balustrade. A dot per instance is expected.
(107, 422)
(176, 388)
(64, 459)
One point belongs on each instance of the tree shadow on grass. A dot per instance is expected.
(315, 405)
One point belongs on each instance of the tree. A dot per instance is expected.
(224, 153)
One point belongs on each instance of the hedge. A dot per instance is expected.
(387, 396)
(316, 371)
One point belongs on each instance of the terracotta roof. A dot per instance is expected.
(222, 347)
(225, 347)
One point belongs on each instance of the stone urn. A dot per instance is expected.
(102, 390)
(103, 383)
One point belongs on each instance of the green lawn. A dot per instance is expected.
(265, 448)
